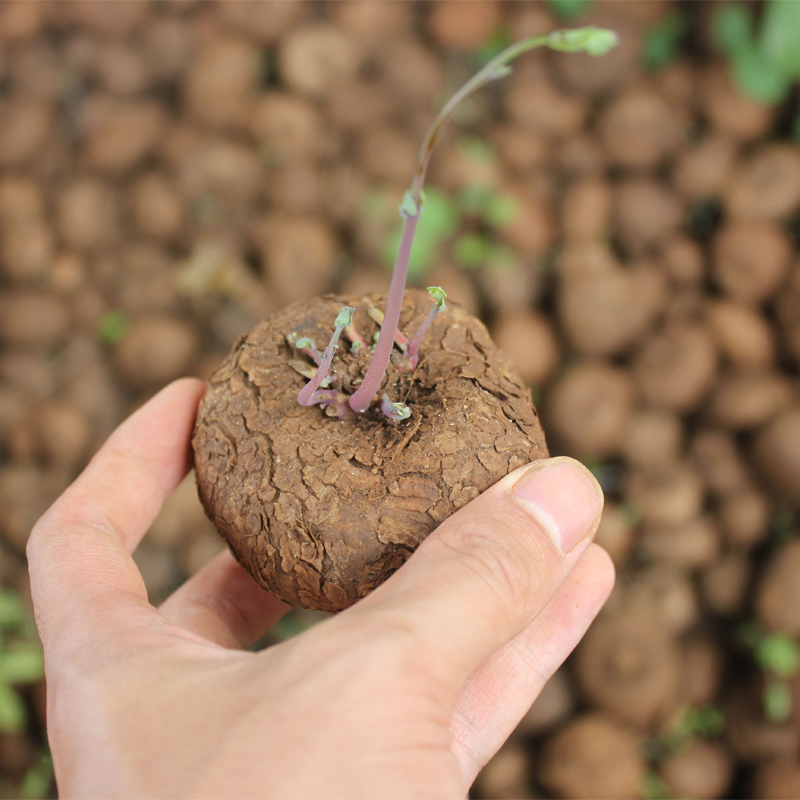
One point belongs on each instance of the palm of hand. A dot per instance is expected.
(408, 693)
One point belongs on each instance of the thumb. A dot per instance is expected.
(486, 572)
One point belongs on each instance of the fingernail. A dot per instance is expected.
(564, 498)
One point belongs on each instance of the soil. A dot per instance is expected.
(321, 511)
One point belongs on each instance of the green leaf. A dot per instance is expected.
(779, 40)
(440, 217)
(758, 77)
(13, 713)
(500, 258)
(777, 701)
(477, 150)
(662, 40)
(592, 40)
(439, 295)
(654, 787)
(21, 663)
(112, 327)
(501, 210)
(569, 9)
(12, 612)
(38, 779)
(471, 250)
(732, 27)
(493, 46)
(344, 317)
(778, 653)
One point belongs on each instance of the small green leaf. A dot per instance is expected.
(112, 327)
(662, 40)
(303, 342)
(569, 9)
(474, 198)
(471, 250)
(12, 612)
(344, 317)
(21, 663)
(732, 27)
(475, 149)
(13, 713)
(777, 701)
(409, 207)
(654, 787)
(38, 780)
(779, 40)
(502, 210)
(779, 654)
(759, 78)
(592, 40)
(493, 46)
(500, 258)
(439, 295)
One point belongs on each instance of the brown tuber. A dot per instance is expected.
(589, 407)
(751, 259)
(596, 756)
(776, 452)
(319, 511)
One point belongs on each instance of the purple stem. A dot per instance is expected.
(416, 339)
(306, 395)
(360, 401)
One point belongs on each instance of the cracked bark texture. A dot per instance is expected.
(320, 511)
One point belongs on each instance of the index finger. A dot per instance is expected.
(81, 570)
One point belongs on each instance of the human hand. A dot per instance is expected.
(406, 694)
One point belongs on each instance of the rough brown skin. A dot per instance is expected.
(321, 511)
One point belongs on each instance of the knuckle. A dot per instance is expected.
(501, 558)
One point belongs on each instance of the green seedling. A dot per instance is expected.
(112, 327)
(591, 40)
(778, 657)
(569, 9)
(764, 60)
(663, 40)
(21, 660)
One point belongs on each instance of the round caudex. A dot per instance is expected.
(640, 129)
(604, 309)
(778, 594)
(700, 769)
(531, 342)
(703, 170)
(776, 452)
(751, 259)
(744, 401)
(690, 545)
(767, 185)
(319, 510)
(554, 705)
(662, 593)
(588, 408)
(629, 666)
(744, 517)
(742, 334)
(594, 755)
(778, 779)
(615, 533)
(652, 438)
(720, 462)
(647, 213)
(676, 367)
(730, 111)
(507, 775)
(667, 495)
(724, 584)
